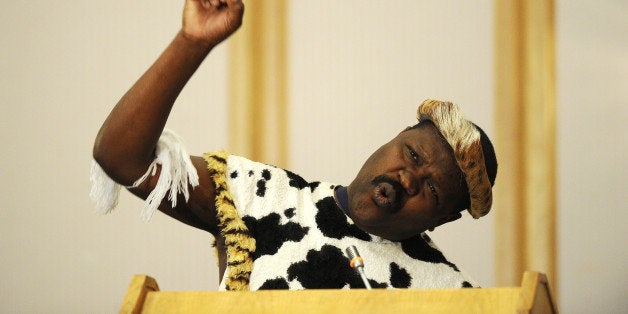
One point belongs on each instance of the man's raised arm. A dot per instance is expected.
(125, 145)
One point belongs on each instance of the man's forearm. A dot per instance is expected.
(126, 141)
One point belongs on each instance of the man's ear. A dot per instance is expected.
(445, 219)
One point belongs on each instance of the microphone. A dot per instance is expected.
(357, 263)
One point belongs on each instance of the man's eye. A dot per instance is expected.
(413, 154)
(432, 188)
(434, 193)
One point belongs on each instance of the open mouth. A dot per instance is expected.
(387, 194)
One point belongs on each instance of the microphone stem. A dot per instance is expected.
(363, 275)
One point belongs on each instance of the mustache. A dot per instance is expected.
(399, 191)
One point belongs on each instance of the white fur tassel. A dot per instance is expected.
(177, 171)
(104, 192)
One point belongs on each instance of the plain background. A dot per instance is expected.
(357, 72)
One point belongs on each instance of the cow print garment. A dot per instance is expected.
(301, 236)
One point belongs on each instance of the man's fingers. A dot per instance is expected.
(237, 5)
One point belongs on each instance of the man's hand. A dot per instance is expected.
(209, 22)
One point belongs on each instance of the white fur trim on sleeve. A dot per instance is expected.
(104, 192)
(177, 171)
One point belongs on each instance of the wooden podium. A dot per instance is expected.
(143, 296)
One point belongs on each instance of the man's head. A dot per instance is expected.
(425, 176)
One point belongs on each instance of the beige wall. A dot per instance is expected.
(592, 72)
(358, 70)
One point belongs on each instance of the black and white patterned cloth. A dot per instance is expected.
(301, 236)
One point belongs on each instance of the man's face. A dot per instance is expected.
(409, 185)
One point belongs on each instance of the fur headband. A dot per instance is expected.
(464, 139)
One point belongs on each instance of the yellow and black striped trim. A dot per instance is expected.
(238, 240)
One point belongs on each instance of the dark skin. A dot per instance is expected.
(125, 144)
(424, 165)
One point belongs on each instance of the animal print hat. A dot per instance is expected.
(473, 151)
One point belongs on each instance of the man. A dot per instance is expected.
(273, 229)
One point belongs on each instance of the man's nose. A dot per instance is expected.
(409, 182)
